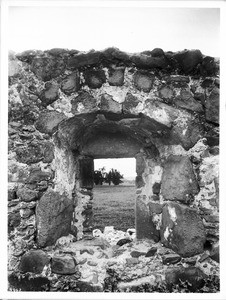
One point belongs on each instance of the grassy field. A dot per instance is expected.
(114, 206)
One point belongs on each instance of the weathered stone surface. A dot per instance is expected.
(207, 83)
(188, 60)
(123, 242)
(49, 94)
(208, 66)
(151, 252)
(212, 106)
(26, 194)
(34, 261)
(26, 283)
(186, 100)
(84, 99)
(140, 164)
(48, 121)
(94, 78)
(215, 253)
(47, 68)
(35, 152)
(71, 83)
(178, 179)
(156, 188)
(63, 264)
(155, 208)
(182, 230)
(36, 176)
(108, 104)
(54, 215)
(116, 76)
(192, 275)
(170, 259)
(143, 82)
(148, 61)
(166, 93)
(145, 228)
(80, 60)
(14, 220)
(130, 103)
(132, 261)
(137, 254)
(139, 181)
(13, 68)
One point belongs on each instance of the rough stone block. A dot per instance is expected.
(166, 93)
(80, 59)
(71, 83)
(143, 82)
(47, 68)
(178, 179)
(34, 261)
(26, 194)
(54, 215)
(182, 230)
(192, 275)
(86, 100)
(49, 94)
(145, 228)
(26, 283)
(170, 259)
(13, 68)
(95, 78)
(212, 106)
(108, 104)
(63, 264)
(116, 76)
(188, 59)
(130, 103)
(48, 121)
(155, 208)
(186, 100)
(208, 66)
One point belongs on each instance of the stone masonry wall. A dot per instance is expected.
(160, 107)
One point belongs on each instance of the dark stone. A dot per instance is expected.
(192, 275)
(178, 79)
(149, 62)
(156, 188)
(166, 93)
(63, 264)
(214, 150)
(155, 208)
(211, 218)
(34, 261)
(113, 54)
(123, 242)
(47, 68)
(157, 52)
(54, 215)
(49, 94)
(27, 195)
(27, 283)
(212, 106)
(215, 253)
(130, 103)
(186, 100)
(143, 82)
(35, 152)
(207, 83)
(178, 179)
(36, 176)
(145, 228)
(14, 220)
(139, 181)
(71, 83)
(108, 104)
(208, 66)
(151, 252)
(137, 254)
(27, 56)
(12, 193)
(182, 230)
(170, 259)
(140, 164)
(116, 76)
(48, 121)
(217, 82)
(88, 101)
(94, 78)
(84, 59)
(188, 60)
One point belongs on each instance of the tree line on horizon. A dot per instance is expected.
(113, 176)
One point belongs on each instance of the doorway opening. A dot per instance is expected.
(114, 193)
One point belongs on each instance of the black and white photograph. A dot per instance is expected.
(111, 150)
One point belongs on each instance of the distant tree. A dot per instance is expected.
(113, 176)
(99, 176)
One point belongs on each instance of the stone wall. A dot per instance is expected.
(67, 108)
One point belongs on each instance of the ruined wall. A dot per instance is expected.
(160, 107)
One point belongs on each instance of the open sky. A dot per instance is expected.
(131, 29)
